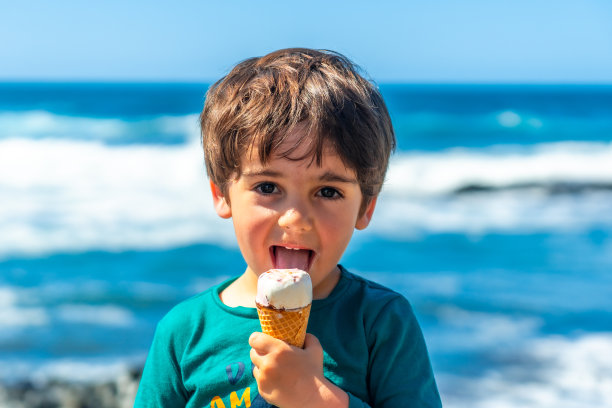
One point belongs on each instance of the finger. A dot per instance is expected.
(255, 372)
(262, 342)
(256, 340)
(256, 359)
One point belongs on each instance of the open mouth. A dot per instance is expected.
(290, 258)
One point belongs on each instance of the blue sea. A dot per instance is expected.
(495, 221)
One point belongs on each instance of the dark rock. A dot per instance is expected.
(118, 393)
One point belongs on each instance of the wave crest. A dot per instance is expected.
(66, 196)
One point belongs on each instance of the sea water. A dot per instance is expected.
(495, 221)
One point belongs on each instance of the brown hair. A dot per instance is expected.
(262, 99)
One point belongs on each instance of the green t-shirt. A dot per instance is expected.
(373, 349)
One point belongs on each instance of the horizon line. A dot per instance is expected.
(129, 81)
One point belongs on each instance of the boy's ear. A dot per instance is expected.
(366, 217)
(220, 202)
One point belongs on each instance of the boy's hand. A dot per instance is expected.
(288, 376)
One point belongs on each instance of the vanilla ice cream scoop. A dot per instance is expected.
(284, 289)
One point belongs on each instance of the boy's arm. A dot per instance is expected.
(161, 385)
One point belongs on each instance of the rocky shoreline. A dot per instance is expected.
(117, 393)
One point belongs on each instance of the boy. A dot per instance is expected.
(296, 145)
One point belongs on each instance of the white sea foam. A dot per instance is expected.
(13, 315)
(439, 284)
(504, 212)
(549, 372)
(479, 330)
(72, 196)
(65, 196)
(434, 173)
(23, 317)
(106, 315)
(418, 195)
(82, 370)
(37, 125)
(25, 307)
(509, 119)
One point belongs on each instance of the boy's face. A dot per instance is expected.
(294, 214)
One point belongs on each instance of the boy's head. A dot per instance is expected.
(262, 100)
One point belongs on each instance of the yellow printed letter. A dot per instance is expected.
(246, 397)
(217, 402)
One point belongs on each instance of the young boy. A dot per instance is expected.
(297, 145)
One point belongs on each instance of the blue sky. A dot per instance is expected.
(394, 41)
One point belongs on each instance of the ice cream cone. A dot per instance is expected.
(287, 325)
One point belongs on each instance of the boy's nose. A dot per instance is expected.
(295, 219)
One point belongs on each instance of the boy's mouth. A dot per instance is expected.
(290, 258)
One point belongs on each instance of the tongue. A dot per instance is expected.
(292, 258)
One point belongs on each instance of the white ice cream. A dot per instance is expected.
(284, 289)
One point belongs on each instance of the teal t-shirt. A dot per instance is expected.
(373, 349)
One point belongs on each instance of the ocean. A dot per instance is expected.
(495, 222)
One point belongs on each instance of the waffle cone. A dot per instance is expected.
(286, 325)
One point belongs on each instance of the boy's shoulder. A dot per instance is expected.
(191, 311)
(380, 309)
(373, 295)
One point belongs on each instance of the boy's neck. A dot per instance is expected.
(242, 291)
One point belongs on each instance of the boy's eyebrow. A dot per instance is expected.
(263, 172)
(334, 177)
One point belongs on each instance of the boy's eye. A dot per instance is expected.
(266, 188)
(329, 192)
